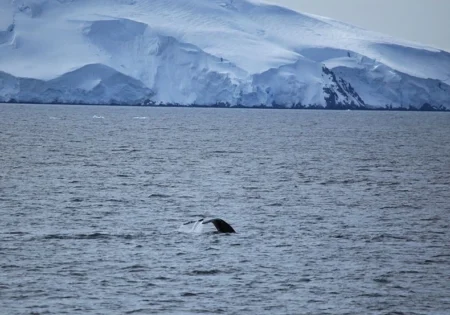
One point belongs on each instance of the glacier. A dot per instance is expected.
(208, 53)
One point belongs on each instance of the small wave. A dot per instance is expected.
(409, 272)
(210, 248)
(387, 237)
(98, 117)
(341, 236)
(138, 310)
(431, 219)
(382, 280)
(305, 280)
(88, 236)
(251, 188)
(76, 236)
(10, 267)
(16, 233)
(401, 206)
(140, 118)
(383, 184)
(162, 278)
(136, 268)
(283, 245)
(441, 255)
(159, 196)
(186, 197)
(209, 272)
(117, 200)
(371, 295)
(225, 152)
(187, 294)
(431, 262)
(275, 204)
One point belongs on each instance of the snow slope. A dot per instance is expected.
(206, 52)
(90, 84)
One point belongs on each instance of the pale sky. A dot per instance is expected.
(423, 21)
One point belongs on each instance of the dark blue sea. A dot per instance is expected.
(336, 212)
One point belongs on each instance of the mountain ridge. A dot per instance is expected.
(208, 52)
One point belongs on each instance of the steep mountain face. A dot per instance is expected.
(207, 52)
(303, 84)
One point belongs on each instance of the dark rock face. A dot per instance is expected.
(431, 108)
(340, 94)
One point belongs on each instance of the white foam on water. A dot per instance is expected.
(191, 227)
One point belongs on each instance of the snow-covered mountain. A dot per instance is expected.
(207, 52)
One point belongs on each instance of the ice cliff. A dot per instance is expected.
(208, 52)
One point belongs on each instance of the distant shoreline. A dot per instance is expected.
(424, 108)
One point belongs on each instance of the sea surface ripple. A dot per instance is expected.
(336, 212)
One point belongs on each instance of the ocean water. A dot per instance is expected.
(336, 212)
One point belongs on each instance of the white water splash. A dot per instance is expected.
(191, 227)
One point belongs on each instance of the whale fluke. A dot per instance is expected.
(221, 225)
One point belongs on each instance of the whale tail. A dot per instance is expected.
(221, 225)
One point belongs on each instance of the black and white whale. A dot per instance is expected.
(196, 226)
